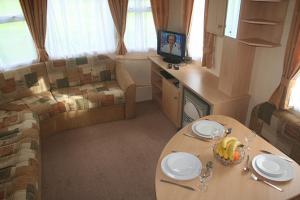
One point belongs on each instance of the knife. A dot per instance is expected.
(177, 184)
(282, 157)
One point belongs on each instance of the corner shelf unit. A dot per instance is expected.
(256, 42)
(261, 22)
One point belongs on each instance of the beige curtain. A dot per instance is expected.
(187, 15)
(208, 43)
(35, 12)
(160, 11)
(118, 10)
(280, 97)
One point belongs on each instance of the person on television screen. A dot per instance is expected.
(171, 47)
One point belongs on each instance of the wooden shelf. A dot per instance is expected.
(157, 84)
(260, 21)
(156, 72)
(258, 42)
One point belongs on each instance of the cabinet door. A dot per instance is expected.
(216, 16)
(171, 102)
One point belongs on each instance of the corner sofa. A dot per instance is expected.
(49, 97)
(279, 127)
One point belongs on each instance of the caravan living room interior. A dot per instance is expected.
(149, 99)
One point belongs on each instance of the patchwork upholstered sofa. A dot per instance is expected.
(44, 98)
(280, 127)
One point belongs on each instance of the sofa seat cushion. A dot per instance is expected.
(43, 105)
(17, 120)
(90, 95)
(20, 188)
(29, 168)
(18, 152)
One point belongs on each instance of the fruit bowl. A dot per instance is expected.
(229, 151)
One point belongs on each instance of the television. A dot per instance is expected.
(171, 46)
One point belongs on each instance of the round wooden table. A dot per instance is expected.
(228, 182)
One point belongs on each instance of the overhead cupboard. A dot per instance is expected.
(257, 23)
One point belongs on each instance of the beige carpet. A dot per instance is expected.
(110, 161)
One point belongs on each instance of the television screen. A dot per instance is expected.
(171, 44)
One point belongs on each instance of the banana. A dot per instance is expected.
(232, 147)
(219, 149)
(226, 140)
(226, 150)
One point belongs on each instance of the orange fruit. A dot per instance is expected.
(236, 155)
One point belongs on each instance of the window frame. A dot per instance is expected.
(13, 18)
(140, 11)
(291, 108)
(17, 18)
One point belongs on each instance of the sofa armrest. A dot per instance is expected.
(127, 84)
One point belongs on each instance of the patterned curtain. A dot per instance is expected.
(280, 98)
(160, 11)
(35, 12)
(187, 15)
(118, 10)
(208, 43)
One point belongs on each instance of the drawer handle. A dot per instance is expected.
(175, 98)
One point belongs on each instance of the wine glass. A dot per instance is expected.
(216, 134)
(249, 139)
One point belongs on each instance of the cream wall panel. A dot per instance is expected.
(140, 71)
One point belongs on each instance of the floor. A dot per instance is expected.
(111, 161)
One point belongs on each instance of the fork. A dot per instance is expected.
(266, 182)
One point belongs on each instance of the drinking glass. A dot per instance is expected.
(205, 176)
(249, 139)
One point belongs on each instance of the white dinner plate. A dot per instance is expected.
(181, 166)
(207, 129)
(269, 165)
(273, 167)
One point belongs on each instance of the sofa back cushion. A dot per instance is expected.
(79, 71)
(22, 82)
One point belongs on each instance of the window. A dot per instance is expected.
(195, 40)
(295, 95)
(232, 18)
(140, 34)
(79, 27)
(16, 44)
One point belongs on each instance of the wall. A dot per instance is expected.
(267, 67)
